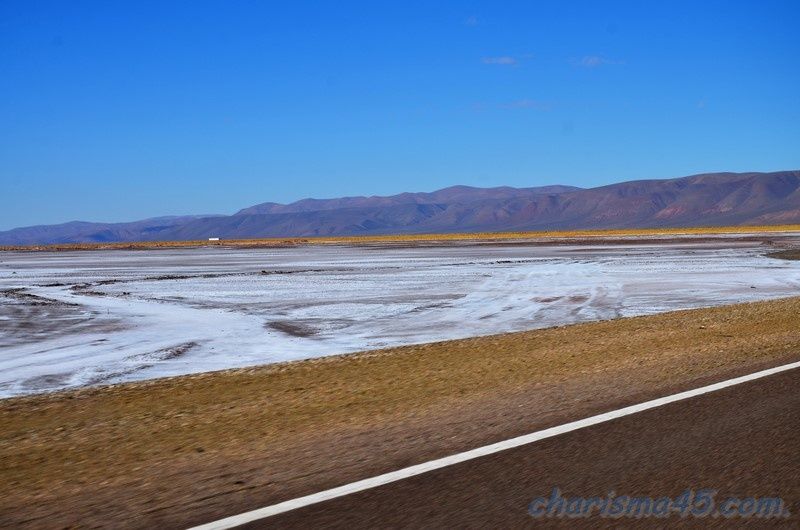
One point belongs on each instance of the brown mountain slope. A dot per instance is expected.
(712, 199)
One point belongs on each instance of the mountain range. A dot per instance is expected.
(710, 199)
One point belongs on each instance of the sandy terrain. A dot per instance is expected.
(77, 319)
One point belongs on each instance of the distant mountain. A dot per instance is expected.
(84, 232)
(454, 194)
(712, 199)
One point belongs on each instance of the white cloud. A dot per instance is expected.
(471, 21)
(593, 61)
(504, 60)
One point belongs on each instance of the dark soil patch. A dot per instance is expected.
(791, 254)
(295, 329)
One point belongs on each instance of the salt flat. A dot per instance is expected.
(83, 318)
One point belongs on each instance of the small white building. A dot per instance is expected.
(213, 239)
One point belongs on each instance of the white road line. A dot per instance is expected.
(400, 474)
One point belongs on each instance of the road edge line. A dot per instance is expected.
(439, 463)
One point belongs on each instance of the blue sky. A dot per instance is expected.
(115, 111)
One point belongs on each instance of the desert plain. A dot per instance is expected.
(291, 370)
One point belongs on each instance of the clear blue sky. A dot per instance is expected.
(115, 111)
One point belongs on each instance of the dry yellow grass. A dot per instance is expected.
(417, 238)
(243, 437)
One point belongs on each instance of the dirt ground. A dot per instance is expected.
(791, 254)
(194, 448)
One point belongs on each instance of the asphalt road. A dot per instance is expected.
(742, 441)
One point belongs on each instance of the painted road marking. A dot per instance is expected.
(400, 474)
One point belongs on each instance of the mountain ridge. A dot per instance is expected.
(707, 199)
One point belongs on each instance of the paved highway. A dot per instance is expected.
(741, 441)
